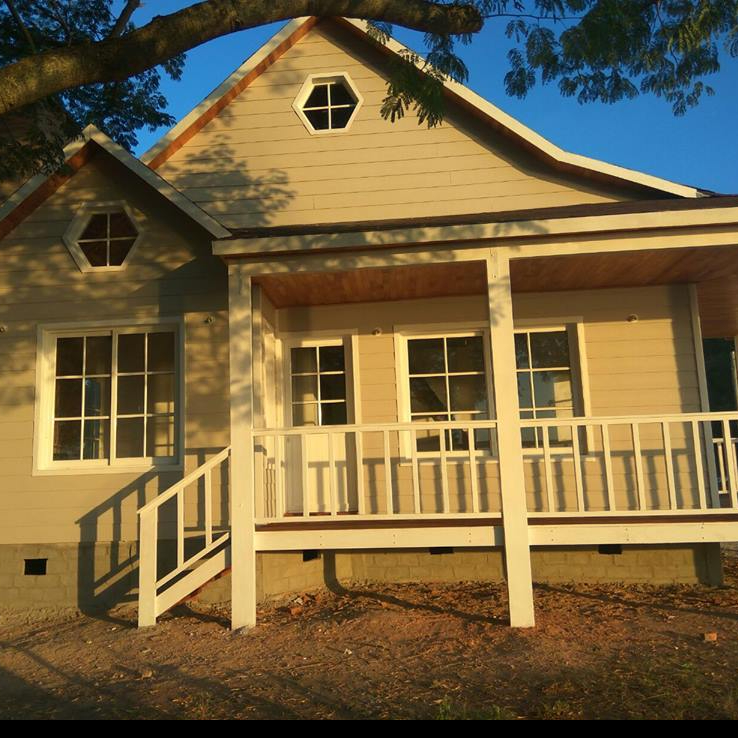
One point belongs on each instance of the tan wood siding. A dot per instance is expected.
(172, 273)
(256, 164)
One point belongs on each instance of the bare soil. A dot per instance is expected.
(399, 651)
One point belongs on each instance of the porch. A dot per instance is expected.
(497, 477)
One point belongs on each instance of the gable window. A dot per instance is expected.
(545, 382)
(327, 103)
(102, 237)
(318, 385)
(110, 398)
(448, 381)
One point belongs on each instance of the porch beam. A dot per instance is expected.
(370, 259)
(709, 220)
(510, 448)
(243, 551)
(542, 245)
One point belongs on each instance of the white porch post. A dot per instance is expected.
(512, 480)
(243, 553)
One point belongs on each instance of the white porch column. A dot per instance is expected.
(512, 480)
(243, 553)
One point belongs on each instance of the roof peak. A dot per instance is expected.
(296, 29)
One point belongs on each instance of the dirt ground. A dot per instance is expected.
(409, 651)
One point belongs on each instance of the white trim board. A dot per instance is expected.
(151, 178)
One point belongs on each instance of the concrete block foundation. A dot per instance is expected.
(95, 577)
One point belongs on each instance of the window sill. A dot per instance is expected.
(61, 471)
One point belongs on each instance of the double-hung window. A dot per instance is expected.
(448, 381)
(545, 382)
(110, 397)
(318, 384)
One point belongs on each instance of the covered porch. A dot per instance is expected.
(306, 477)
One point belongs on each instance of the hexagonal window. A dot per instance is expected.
(102, 237)
(327, 103)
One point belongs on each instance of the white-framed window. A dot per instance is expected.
(318, 387)
(447, 377)
(328, 103)
(102, 236)
(109, 398)
(551, 378)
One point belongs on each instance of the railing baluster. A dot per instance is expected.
(730, 463)
(697, 440)
(388, 473)
(473, 470)
(332, 475)
(304, 477)
(444, 473)
(279, 478)
(670, 481)
(722, 482)
(607, 454)
(208, 508)
(180, 527)
(577, 455)
(417, 505)
(361, 501)
(548, 470)
(638, 461)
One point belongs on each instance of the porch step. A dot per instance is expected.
(194, 580)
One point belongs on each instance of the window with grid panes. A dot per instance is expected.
(115, 396)
(329, 105)
(448, 382)
(318, 381)
(545, 386)
(107, 239)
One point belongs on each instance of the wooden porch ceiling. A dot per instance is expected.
(714, 269)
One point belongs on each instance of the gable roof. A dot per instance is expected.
(76, 154)
(500, 121)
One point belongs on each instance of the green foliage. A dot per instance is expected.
(596, 50)
(33, 139)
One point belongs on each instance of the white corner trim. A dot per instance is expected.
(166, 190)
(233, 79)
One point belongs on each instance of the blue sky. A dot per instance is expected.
(699, 149)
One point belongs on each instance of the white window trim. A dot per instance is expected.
(349, 341)
(79, 223)
(574, 325)
(405, 333)
(43, 462)
(307, 88)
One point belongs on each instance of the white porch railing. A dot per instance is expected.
(624, 465)
(644, 465)
(186, 573)
(387, 471)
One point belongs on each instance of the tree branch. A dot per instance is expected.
(39, 76)
(120, 25)
(21, 25)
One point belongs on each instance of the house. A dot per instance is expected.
(295, 340)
